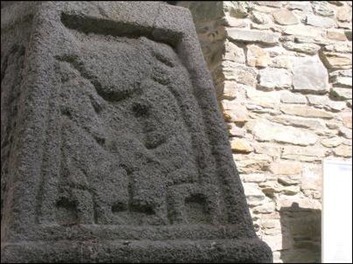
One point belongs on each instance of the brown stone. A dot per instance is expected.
(305, 111)
(337, 60)
(236, 111)
(252, 163)
(256, 56)
(336, 35)
(286, 167)
(239, 145)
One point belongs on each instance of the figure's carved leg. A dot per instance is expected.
(111, 185)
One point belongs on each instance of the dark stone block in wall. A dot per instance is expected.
(113, 148)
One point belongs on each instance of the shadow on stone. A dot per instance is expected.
(301, 234)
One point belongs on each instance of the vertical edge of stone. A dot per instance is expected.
(190, 52)
(26, 164)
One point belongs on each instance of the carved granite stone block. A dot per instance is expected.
(113, 148)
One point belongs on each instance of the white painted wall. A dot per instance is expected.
(337, 211)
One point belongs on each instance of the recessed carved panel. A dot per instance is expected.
(126, 116)
(120, 152)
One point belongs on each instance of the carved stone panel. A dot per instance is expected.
(114, 149)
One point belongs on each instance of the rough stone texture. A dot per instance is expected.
(257, 57)
(292, 98)
(252, 36)
(241, 146)
(234, 53)
(309, 75)
(286, 167)
(302, 30)
(263, 99)
(239, 73)
(344, 47)
(271, 78)
(260, 18)
(323, 9)
(316, 52)
(266, 131)
(318, 21)
(341, 93)
(114, 149)
(239, 116)
(336, 35)
(308, 48)
(337, 60)
(285, 17)
(304, 122)
(344, 14)
(305, 111)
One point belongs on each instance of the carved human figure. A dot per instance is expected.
(124, 138)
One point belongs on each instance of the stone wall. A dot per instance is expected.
(283, 76)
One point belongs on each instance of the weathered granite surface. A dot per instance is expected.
(113, 148)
